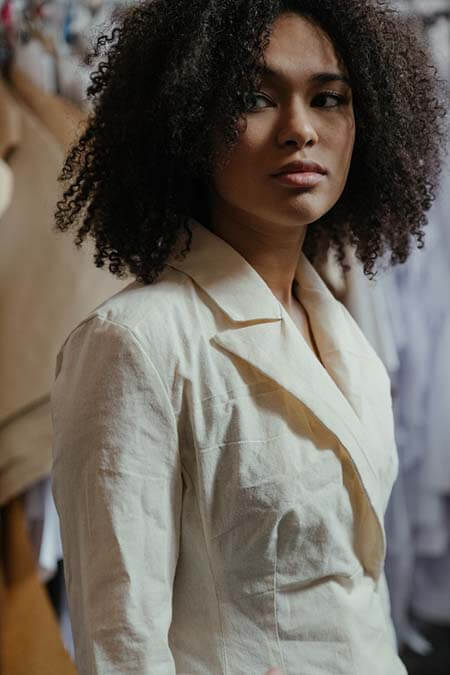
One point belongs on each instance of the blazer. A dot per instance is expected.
(221, 493)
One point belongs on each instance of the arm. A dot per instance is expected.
(118, 490)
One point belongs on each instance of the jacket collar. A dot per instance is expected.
(237, 288)
(334, 393)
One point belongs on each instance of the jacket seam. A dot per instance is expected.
(146, 355)
(275, 606)
(219, 607)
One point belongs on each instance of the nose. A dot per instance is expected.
(297, 127)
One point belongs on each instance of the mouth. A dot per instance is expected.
(300, 179)
(301, 173)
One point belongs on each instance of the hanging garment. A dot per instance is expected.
(43, 525)
(221, 493)
(62, 118)
(6, 186)
(437, 317)
(30, 641)
(431, 583)
(10, 123)
(46, 286)
(43, 528)
(73, 76)
(418, 516)
(367, 301)
(34, 59)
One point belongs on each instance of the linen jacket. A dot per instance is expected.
(221, 493)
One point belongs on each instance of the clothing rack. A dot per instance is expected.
(434, 17)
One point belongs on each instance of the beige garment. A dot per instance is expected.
(221, 493)
(6, 186)
(30, 638)
(46, 286)
(10, 122)
(62, 118)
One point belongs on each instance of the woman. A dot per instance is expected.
(223, 434)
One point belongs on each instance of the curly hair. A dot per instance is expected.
(178, 72)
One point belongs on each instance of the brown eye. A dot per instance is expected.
(335, 98)
(252, 100)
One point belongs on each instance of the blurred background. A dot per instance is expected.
(47, 286)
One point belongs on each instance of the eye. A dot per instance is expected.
(335, 98)
(252, 98)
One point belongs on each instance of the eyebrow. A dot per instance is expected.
(323, 77)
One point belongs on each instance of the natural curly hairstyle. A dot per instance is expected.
(177, 72)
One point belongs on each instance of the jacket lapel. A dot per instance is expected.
(266, 337)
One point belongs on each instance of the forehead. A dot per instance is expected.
(299, 48)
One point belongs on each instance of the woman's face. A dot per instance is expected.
(303, 111)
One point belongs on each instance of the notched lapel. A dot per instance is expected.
(268, 340)
(272, 349)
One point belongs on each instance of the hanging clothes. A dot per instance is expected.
(46, 284)
(6, 186)
(368, 303)
(30, 634)
(62, 118)
(415, 316)
(431, 581)
(33, 59)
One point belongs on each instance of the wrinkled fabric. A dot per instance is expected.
(221, 493)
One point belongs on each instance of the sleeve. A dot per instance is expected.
(117, 486)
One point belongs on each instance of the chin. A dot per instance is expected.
(309, 205)
(302, 215)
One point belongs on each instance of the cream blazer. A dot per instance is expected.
(221, 493)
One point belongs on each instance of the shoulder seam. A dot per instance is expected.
(96, 315)
(144, 352)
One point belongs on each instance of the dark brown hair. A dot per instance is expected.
(176, 71)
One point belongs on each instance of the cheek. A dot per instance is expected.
(347, 141)
(340, 142)
(249, 148)
(239, 170)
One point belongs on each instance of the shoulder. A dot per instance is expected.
(143, 325)
(141, 304)
(140, 309)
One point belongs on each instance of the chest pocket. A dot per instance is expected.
(274, 493)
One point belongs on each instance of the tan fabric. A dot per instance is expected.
(221, 493)
(61, 117)
(10, 122)
(46, 286)
(26, 447)
(6, 186)
(31, 642)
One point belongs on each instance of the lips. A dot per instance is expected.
(300, 167)
(300, 179)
